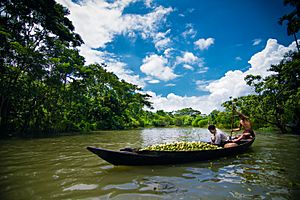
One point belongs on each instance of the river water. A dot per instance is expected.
(62, 168)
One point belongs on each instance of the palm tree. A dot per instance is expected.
(293, 19)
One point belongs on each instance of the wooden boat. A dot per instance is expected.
(129, 156)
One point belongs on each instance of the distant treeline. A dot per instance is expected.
(45, 86)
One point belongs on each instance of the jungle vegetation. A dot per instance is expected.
(47, 88)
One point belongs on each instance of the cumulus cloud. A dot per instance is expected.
(88, 16)
(188, 57)
(155, 66)
(202, 85)
(88, 19)
(272, 54)
(203, 43)
(231, 84)
(175, 102)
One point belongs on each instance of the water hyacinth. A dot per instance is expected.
(182, 146)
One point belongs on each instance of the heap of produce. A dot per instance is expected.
(182, 146)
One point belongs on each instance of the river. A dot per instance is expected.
(62, 168)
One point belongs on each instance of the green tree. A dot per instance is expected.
(188, 111)
(279, 94)
(293, 19)
(45, 86)
(30, 32)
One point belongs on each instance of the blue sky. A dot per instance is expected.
(185, 53)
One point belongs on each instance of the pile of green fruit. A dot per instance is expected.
(182, 146)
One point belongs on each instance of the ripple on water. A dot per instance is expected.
(81, 187)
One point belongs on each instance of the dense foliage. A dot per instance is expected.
(278, 96)
(45, 86)
(276, 103)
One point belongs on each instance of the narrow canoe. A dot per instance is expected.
(131, 157)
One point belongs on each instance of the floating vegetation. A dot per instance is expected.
(181, 146)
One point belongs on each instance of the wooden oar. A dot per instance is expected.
(232, 115)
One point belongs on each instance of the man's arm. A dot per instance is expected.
(218, 139)
(237, 129)
(238, 139)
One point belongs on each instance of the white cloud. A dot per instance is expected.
(188, 57)
(162, 44)
(161, 41)
(148, 3)
(191, 32)
(231, 84)
(202, 70)
(88, 19)
(155, 66)
(256, 42)
(154, 81)
(170, 84)
(121, 70)
(203, 43)
(98, 22)
(149, 24)
(202, 85)
(174, 102)
(270, 55)
(189, 67)
(168, 52)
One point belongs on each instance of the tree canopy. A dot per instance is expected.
(45, 85)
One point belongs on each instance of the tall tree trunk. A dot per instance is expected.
(280, 124)
(3, 115)
(296, 42)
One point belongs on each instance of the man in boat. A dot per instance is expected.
(245, 123)
(218, 137)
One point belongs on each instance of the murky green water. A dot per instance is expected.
(62, 168)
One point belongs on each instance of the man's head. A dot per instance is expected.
(212, 128)
(241, 116)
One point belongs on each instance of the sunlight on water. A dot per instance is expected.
(62, 168)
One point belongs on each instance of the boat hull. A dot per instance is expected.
(166, 157)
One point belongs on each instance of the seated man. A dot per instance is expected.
(218, 137)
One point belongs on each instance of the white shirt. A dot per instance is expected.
(219, 137)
